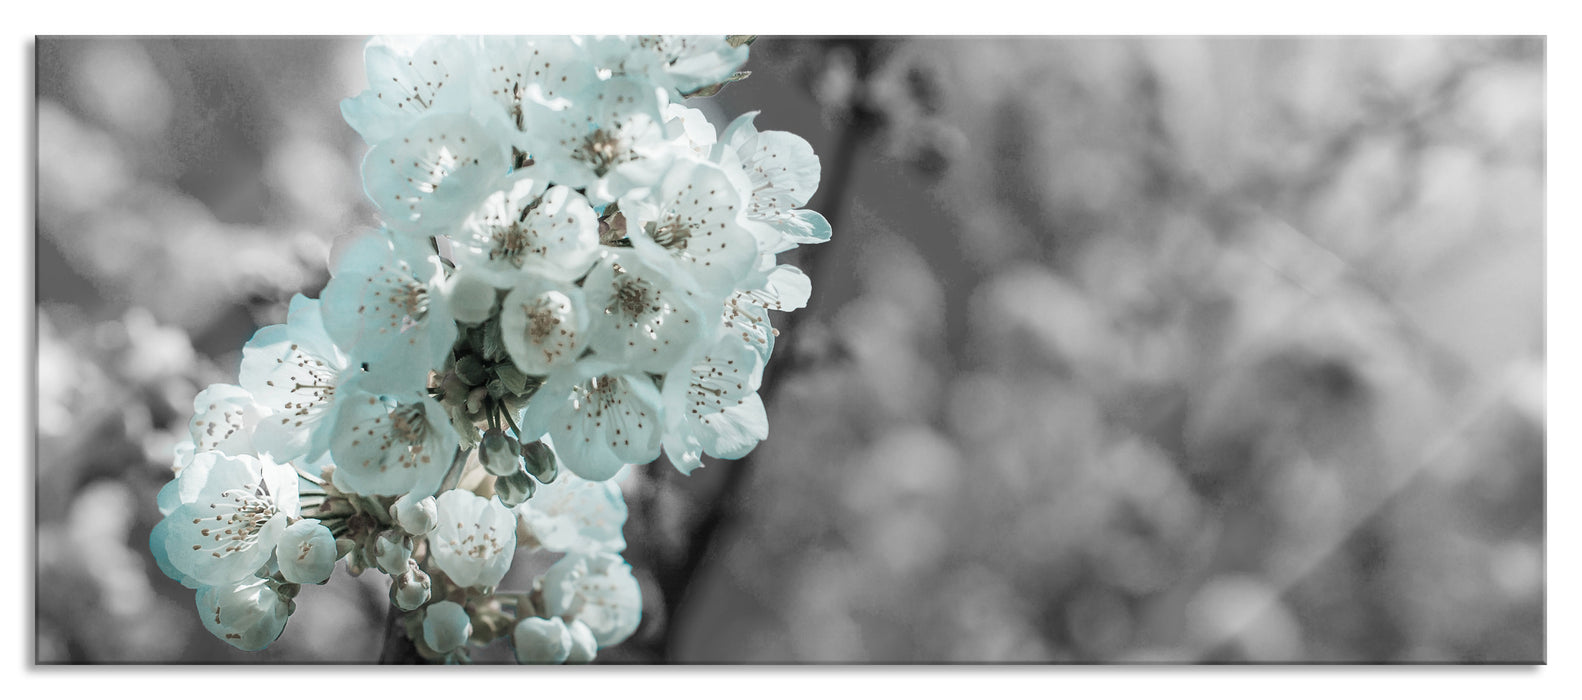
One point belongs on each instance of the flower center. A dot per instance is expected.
(673, 234)
(426, 83)
(743, 316)
(250, 508)
(596, 396)
(543, 319)
(409, 424)
(510, 243)
(632, 298)
(411, 296)
(436, 167)
(768, 200)
(668, 48)
(312, 385)
(602, 150)
(515, 240)
(480, 544)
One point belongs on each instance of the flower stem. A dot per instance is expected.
(506, 413)
(456, 467)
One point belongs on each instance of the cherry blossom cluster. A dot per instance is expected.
(573, 276)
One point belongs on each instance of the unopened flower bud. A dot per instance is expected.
(515, 489)
(541, 641)
(475, 399)
(410, 590)
(392, 550)
(541, 462)
(499, 453)
(446, 626)
(583, 646)
(415, 515)
(471, 297)
(307, 552)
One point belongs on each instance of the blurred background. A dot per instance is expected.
(1125, 350)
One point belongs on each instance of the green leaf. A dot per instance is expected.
(471, 370)
(514, 379)
(493, 342)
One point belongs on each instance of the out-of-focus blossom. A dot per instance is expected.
(598, 590)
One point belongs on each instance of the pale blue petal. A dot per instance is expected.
(306, 552)
(248, 615)
(735, 431)
(804, 226)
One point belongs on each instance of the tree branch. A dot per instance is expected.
(398, 648)
(676, 582)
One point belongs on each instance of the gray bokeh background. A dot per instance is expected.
(1141, 349)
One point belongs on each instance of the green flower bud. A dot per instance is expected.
(515, 489)
(475, 399)
(499, 453)
(541, 462)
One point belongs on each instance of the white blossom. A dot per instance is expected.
(474, 540)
